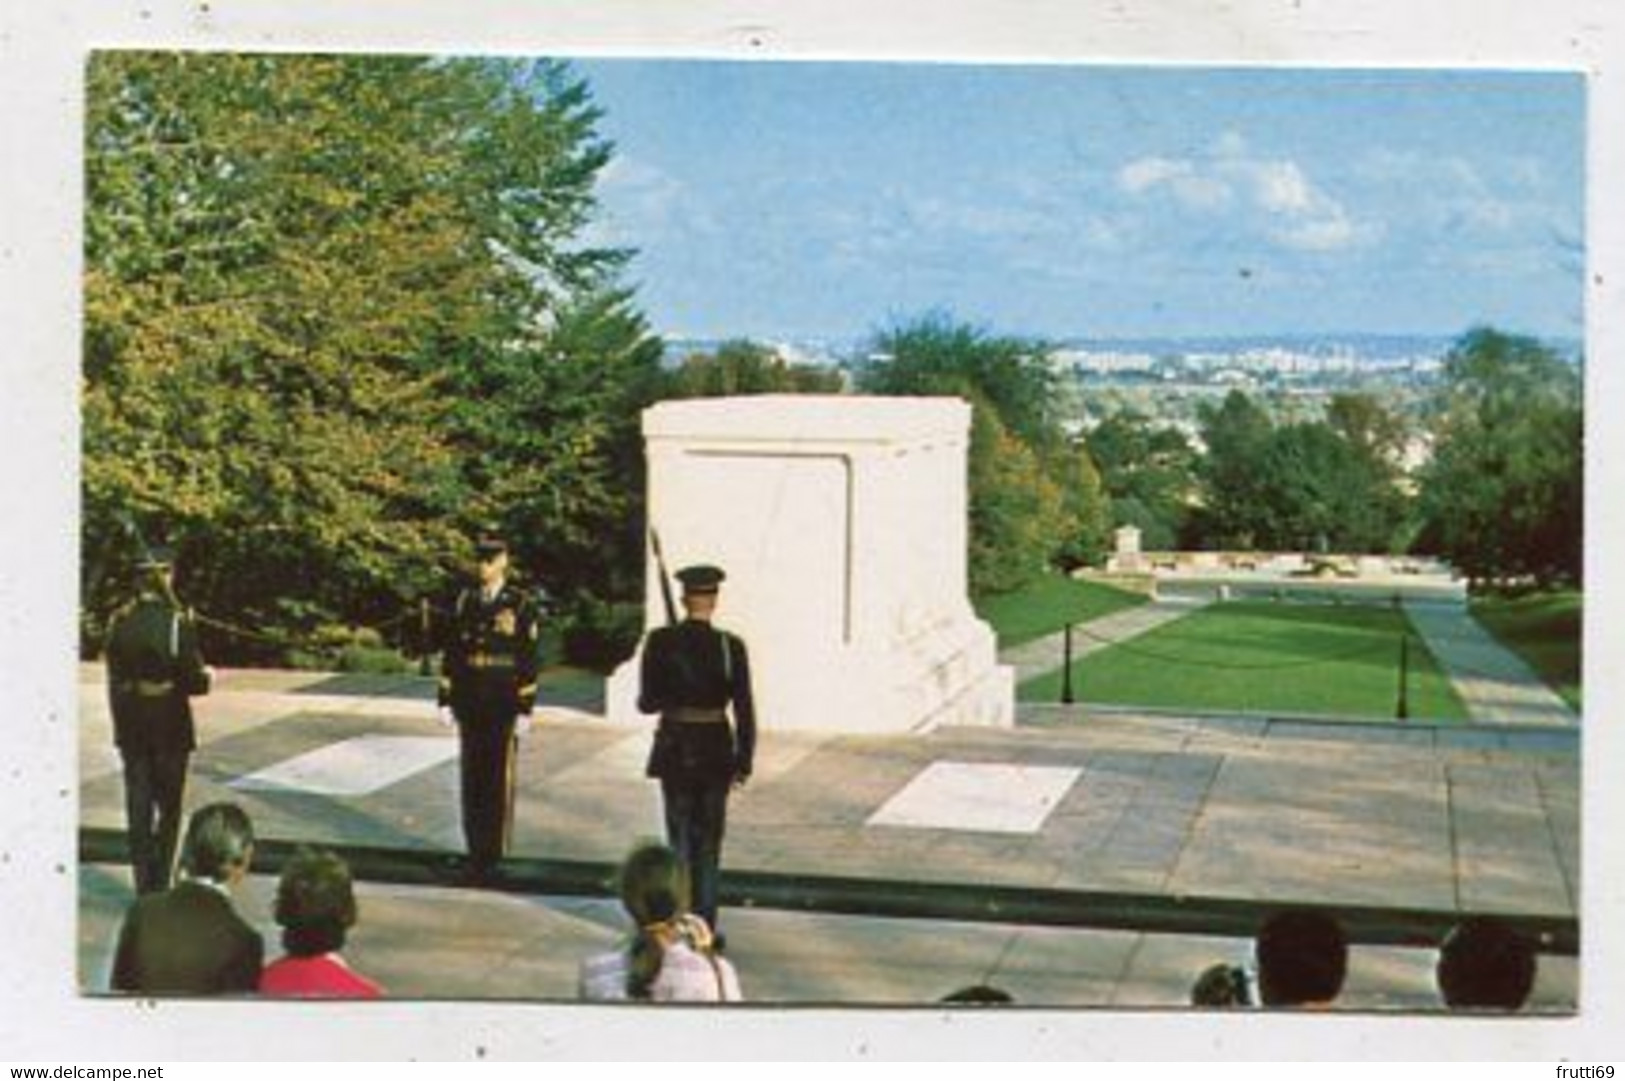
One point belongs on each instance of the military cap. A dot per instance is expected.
(701, 578)
(156, 557)
(490, 543)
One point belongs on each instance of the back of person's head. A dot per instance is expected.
(1302, 958)
(654, 884)
(1221, 985)
(655, 892)
(1484, 963)
(315, 903)
(979, 994)
(219, 840)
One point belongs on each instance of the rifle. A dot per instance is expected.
(665, 579)
(164, 584)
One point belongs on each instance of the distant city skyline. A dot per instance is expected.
(821, 199)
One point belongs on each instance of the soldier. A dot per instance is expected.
(153, 671)
(489, 663)
(692, 672)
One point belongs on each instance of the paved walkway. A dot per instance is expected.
(1047, 654)
(1169, 810)
(1494, 683)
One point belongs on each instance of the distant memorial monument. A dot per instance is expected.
(841, 522)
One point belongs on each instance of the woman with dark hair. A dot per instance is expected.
(315, 905)
(671, 956)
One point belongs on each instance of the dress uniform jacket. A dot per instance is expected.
(153, 669)
(489, 665)
(690, 671)
(491, 655)
(187, 941)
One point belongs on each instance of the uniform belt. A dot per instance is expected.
(151, 688)
(490, 660)
(696, 715)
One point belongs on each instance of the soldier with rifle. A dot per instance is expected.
(154, 669)
(694, 675)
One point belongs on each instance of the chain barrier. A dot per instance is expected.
(1125, 644)
(310, 642)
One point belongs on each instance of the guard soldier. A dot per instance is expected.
(692, 673)
(154, 669)
(491, 656)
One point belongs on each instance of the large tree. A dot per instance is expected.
(1150, 473)
(1237, 435)
(1036, 498)
(1317, 485)
(1503, 494)
(337, 311)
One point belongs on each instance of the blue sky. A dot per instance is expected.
(776, 199)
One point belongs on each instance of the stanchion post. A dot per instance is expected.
(1066, 666)
(1402, 709)
(423, 636)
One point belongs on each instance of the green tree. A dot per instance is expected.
(935, 355)
(746, 367)
(1150, 474)
(1036, 501)
(1237, 434)
(1503, 495)
(333, 306)
(1018, 518)
(1318, 492)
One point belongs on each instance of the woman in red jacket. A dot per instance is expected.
(315, 904)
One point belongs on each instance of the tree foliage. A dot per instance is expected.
(1503, 494)
(336, 313)
(746, 367)
(1150, 474)
(1036, 499)
(1324, 485)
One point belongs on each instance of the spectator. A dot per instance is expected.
(1485, 964)
(671, 956)
(1302, 959)
(189, 939)
(315, 905)
(1222, 985)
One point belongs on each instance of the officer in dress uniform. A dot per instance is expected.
(153, 671)
(489, 662)
(692, 674)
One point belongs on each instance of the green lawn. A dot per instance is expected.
(1260, 656)
(1543, 629)
(1048, 605)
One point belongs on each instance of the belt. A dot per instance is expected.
(696, 715)
(151, 688)
(490, 660)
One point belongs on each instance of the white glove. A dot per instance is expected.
(521, 727)
(447, 720)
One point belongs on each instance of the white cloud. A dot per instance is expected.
(1282, 187)
(1145, 173)
(1288, 206)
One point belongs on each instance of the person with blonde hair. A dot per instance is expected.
(671, 955)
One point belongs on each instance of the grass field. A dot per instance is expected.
(1543, 629)
(1048, 605)
(1266, 657)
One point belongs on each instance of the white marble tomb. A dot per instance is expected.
(842, 524)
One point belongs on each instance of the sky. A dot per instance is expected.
(784, 199)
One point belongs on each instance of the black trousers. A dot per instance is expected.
(154, 783)
(487, 745)
(696, 816)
